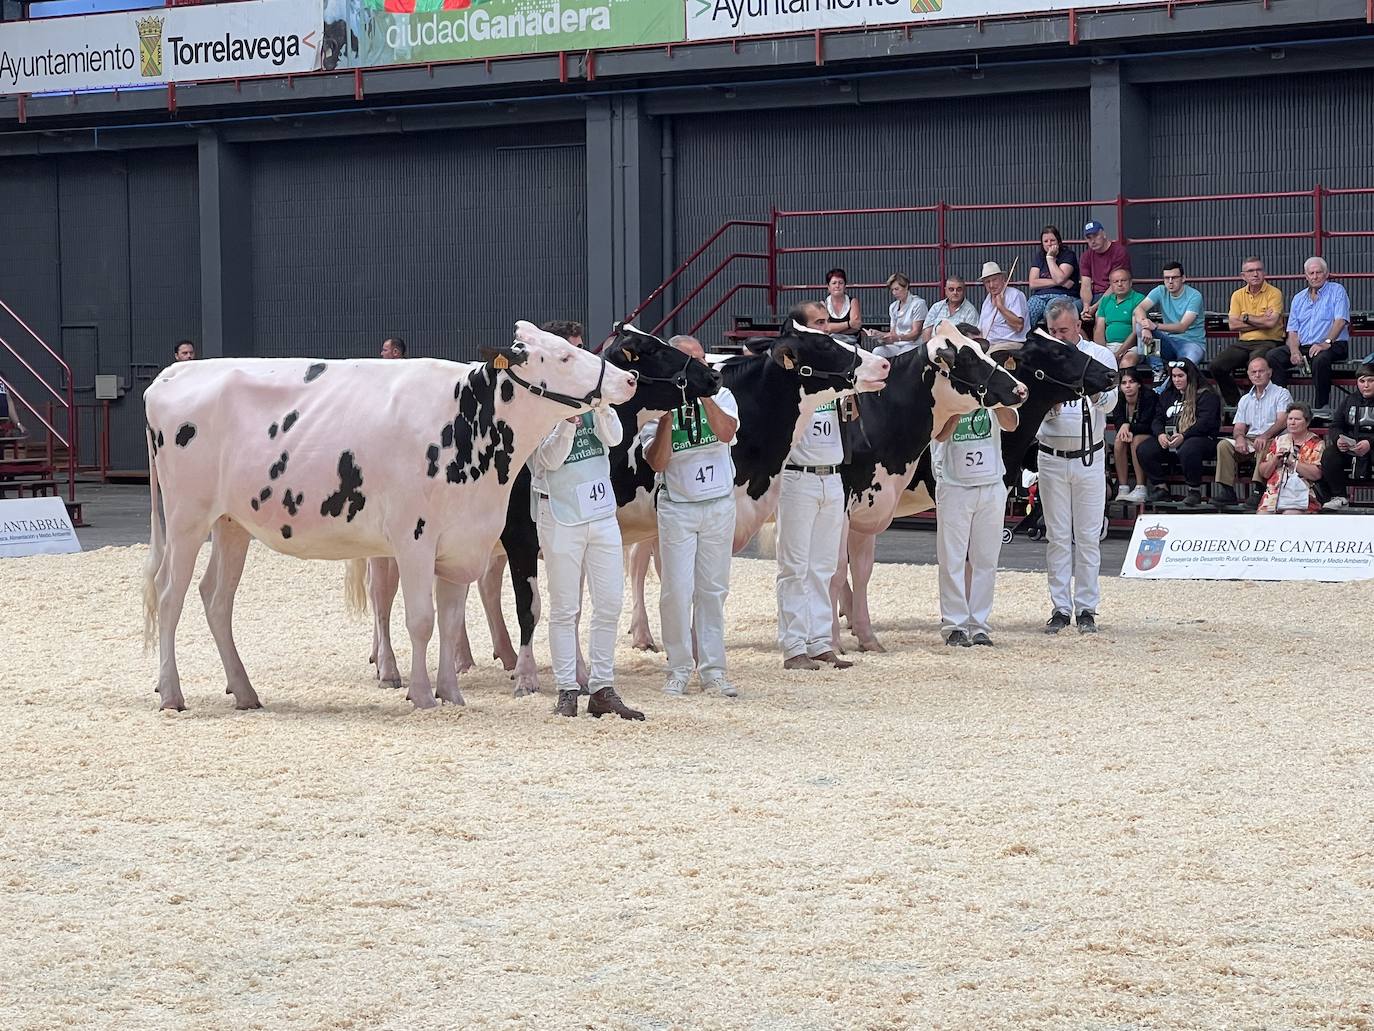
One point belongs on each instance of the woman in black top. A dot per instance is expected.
(1184, 431)
(1053, 274)
(1133, 418)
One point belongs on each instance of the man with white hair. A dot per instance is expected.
(689, 451)
(1003, 316)
(1073, 485)
(1318, 331)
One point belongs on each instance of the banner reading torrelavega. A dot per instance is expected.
(721, 19)
(148, 47)
(1251, 547)
(372, 36)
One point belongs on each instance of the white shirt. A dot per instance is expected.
(972, 456)
(1066, 421)
(1258, 411)
(939, 311)
(819, 442)
(994, 326)
(554, 449)
(903, 318)
(697, 472)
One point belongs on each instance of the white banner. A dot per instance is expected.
(36, 526)
(1251, 547)
(173, 44)
(722, 19)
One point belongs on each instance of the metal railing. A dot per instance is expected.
(50, 417)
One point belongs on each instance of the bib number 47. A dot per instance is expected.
(705, 474)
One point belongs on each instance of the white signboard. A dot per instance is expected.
(36, 526)
(722, 19)
(1251, 547)
(173, 44)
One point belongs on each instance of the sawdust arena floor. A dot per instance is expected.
(1170, 825)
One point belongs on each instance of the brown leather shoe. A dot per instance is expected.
(606, 700)
(567, 703)
(800, 662)
(833, 660)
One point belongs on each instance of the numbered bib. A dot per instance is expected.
(973, 455)
(595, 499)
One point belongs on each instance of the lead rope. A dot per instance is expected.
(1085, 438)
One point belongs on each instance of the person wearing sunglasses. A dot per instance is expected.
(1182, 332)
(1184, 432)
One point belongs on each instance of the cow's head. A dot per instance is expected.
(966, 368)
(668, 378)
(824, 364)
(1054, 371)
(550, 367)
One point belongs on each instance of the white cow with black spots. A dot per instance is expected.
(343, 460)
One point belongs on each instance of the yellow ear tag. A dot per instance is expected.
(631, 356)
(788, 363)
(1011, 365)
(500, 362)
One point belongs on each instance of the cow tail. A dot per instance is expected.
(355, 587)
(156, 546)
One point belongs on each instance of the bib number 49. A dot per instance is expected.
(597, 491)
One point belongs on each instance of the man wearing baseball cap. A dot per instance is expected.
(1099, 260)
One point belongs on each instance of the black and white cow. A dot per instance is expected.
(348, 460)
(894, 478)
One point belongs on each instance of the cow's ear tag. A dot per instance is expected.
(1011, 365)
(787, 362)
(500, 358)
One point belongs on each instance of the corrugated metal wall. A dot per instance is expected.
(444, 239)
(1256, 136)
(738, 165)
(104, 262)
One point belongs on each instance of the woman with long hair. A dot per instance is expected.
(1184, 431)
(1053, 273)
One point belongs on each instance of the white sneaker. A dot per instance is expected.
(676, 686)
(1336, 504)
(719, 685)
(1123, 493)
(1137, 495)
(1323, 413)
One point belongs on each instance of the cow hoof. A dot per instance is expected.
(871, 645)
(424, 701)
(245, 705)
(466, 667)
(644, 646)
(394, 685)
(454, 697)
(525, 685)
(172, 707)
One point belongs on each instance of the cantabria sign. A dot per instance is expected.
(175, 44)
(1251, 547)
(35, 526)
(721, 19)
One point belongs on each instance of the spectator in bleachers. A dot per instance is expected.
(1183, 433)
(11, 426)
(1293, 465)
(1352, 430)
(1003, 315)
(906, 316)
(844, 319)
(1115, 326)
(1257, 315)
(1133, 418)
(1260, 417)
(184, 351)
(393, 347)
(1318, 330)
(954, 306)
(1053, 273)
(1101, 258)
(1182, 333)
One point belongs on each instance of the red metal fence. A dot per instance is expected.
(49, 414)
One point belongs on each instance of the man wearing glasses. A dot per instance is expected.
(1182, 332)
(1257, 315)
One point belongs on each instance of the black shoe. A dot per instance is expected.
(1086, 623)
(1058, 621)
(1224, 496)
(606, 700)
(957, 639)
(1253, 501)
(981, 638)
(567, 703)
(1193, 499)
(1157, 494)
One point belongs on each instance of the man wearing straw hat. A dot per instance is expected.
(1003, 316)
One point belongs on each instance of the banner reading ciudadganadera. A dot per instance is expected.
(369, 33)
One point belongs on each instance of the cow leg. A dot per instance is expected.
(453, 600)
(417, 587)
(524, 579)
(228, 551)
(383, 578)
(641, 554)
(837, 585)
(462, 659)
(844, 599)
(172, 581)
(489, 588)
(861, 550)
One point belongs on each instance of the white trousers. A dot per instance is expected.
(1073, 498)
(570, 552)
(695, 541)
(810, 524)
(968, 540)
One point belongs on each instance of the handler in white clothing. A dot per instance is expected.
(970, 501)
(579, 535)
(689, 450)
(1073, 486)
(810, 524)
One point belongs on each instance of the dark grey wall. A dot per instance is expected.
(443, 239)
(1012, 149)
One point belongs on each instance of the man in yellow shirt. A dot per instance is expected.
(1257, 315)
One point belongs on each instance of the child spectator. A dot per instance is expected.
(1184, 431)
(1352, 430)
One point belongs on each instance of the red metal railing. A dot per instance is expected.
(947, 241)
(65, 400)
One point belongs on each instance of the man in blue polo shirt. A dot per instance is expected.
(1182, 333)
(1318, 330)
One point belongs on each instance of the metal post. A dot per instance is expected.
(1317, 226)
(1121, 218)
(942, 242)
(773, 261)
